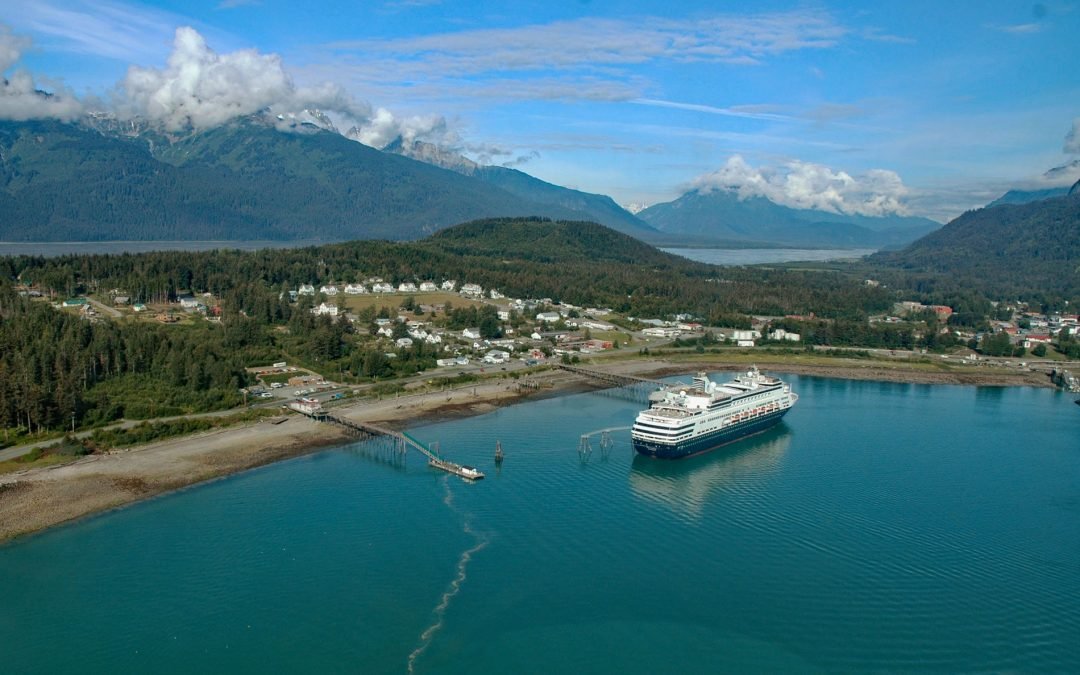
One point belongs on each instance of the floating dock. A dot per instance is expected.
(456, 469)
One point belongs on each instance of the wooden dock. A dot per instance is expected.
(627, 386)
(400, 441)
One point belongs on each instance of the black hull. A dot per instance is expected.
(709, 442)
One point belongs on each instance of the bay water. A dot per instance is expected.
(879, 527)
(758, 256)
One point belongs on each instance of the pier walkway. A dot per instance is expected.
(635, 387)
(399, 441)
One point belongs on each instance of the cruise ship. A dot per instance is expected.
(685, 420)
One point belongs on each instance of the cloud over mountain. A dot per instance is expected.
(1072, 139)
(805, 185)
(200, 88)
(20, 97)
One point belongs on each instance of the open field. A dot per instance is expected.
(392, 301)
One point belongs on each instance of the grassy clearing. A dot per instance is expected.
(37, 461)
(392, 301)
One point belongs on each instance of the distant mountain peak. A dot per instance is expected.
(1070, 171)
(431, 154)
(305, 120)
(711, 214)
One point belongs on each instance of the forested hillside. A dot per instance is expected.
(55, 366)
(241, 181)
(1024, 251)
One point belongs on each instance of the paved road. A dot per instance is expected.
(101, 307)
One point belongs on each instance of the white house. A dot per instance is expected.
(496, 356)
(355, 289)
(308, 406)
(495, 295)
(330, 290)
(188, 302)
(382, 287)
(443, 363)
(449, 285)
(428, 287)
(548, 317)
(781, 334)
(386, 331)
(595, 325)
(660, 331)
(323, 308)
(472, 290)
(306, 289)
(504, 315)
(471, 333)
(404, 342)
(407, 287)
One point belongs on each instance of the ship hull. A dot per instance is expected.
(705, 443)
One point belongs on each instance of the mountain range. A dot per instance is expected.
(298, 178)
(722, 215)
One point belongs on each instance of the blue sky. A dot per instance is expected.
(928, 108)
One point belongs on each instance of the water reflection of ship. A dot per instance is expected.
(687, 485)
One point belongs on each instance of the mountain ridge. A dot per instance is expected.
(1008, 250)
(109, 179)
(723, 215)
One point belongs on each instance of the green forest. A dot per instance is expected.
(58, 370)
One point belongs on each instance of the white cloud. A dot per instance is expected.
(20, 96)
(1072, 139)
(98, 27)
(384, 127)
(578, 50)
(804, 185)
(1019, 29)
(746, 112)
(200, 88)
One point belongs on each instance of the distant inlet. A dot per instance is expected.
(758, 256)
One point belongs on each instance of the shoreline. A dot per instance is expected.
(37, 499)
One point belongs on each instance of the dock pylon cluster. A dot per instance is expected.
(606, 442)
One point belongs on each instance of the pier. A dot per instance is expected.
(636, 388)
(398, 441)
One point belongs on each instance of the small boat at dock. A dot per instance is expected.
(468, 472)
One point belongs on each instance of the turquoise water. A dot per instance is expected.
(880, 527)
